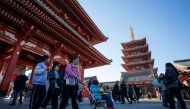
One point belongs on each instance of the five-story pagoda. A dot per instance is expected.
(138, 63)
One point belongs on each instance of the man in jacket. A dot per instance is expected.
(123, 92)
(130, 92)
(19, 86)
(116, 91)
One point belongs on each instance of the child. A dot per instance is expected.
(101, 89)
(96, 90)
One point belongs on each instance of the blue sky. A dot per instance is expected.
(165, 24)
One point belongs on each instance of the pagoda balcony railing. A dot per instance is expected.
(41, 3)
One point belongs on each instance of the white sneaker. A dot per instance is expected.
(80, 103)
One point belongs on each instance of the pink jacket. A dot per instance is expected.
(72, 71)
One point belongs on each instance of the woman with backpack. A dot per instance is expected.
(174, 86)
(71, 75)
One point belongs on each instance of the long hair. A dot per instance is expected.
(171, 65)
(42, 59)
(74, 58)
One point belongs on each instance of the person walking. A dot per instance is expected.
(116, 91)
(54, 86)
(164, 91)
(39, 83)
(19, 86)
(70, 71)
(130, 92)
(123, 92)
(137, 92)
(174, 86)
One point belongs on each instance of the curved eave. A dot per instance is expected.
(138, 63)
(106, 60)
(136, 48)
(134, 41)
(126, 51)
(136, 56)
(139, 71)
(97, 65)
(78, 14)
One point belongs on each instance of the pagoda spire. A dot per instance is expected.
(131, 33)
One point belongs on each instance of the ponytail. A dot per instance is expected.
(42, 59)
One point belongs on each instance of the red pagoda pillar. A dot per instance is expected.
(145, 91)
(10, 69)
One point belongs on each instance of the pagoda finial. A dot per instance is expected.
(131, 33)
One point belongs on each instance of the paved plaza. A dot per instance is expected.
(145, 104)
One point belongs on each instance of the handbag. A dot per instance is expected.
(173, 85)
(156, 83)
(70, 81)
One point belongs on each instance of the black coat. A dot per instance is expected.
(116, 88)
(20, 82)
(130, 90)
(123, 88)
(137, 91)
(52, 80)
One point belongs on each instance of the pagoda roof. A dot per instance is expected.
(136, 77)
(136, 48)
(138, 63)
(45, 19)
(137, 55)
(134, 41)
(140, 71)
(75, 10)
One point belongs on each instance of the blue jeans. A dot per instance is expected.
(108, 100)
(164, 97)
(15, 93)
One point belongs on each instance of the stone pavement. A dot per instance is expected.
(145, 104)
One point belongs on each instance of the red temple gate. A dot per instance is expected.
(32, 28)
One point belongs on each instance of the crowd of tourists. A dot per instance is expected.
(47, 87)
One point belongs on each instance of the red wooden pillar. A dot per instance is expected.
(51, 60)
(145, 91)
(85, 93)
(1, 63)
(82, 76)
(10, 69)
(31, 75)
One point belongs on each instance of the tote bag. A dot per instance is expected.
(156, 83)
(70, 81)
